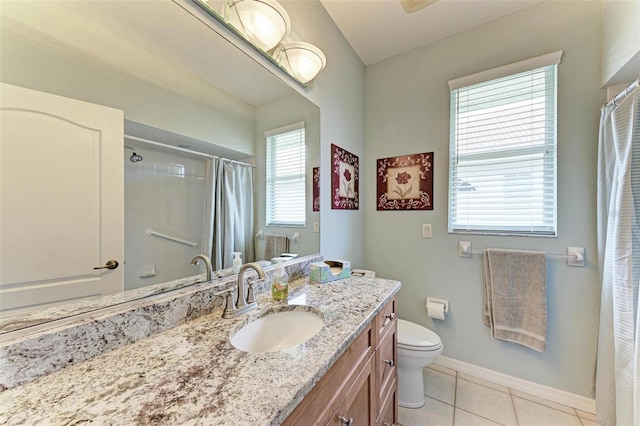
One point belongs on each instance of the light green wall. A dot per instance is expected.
(339, 92)
(407, 112)
(283, 112)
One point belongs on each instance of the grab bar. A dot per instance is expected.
(170, 238)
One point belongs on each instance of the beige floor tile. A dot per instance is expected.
(483, 382)
(485, 402)
(543, 401)
(463, 418)
(440, 386)
(533, 414)
(442, 369)
(432, 413)
(586, 422)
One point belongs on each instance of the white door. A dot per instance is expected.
(61, 199)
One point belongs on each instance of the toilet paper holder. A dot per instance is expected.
(444, 302)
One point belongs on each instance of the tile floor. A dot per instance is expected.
(457, 399)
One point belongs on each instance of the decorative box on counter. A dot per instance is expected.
(329, 270)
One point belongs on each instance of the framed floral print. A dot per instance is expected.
(344, 179)
(316, 189)
(405, 182)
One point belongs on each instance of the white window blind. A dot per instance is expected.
(286, 204)
(502, 174)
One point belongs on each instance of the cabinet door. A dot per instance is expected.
(389, 410)
(318, 406)
(61, 199)
(358, 406)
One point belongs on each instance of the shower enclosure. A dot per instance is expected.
(180, 203)
(165, 195)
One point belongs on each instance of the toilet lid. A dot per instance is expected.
(411, 334)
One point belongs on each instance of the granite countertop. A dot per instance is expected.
(191, 374)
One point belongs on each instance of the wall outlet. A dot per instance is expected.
(426, 230)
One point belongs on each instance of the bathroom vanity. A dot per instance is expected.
(361, 387)
(192, 374)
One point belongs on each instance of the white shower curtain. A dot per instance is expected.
(230, 212)
(618, 367)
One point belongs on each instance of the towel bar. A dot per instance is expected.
(575, 255)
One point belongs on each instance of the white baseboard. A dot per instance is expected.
(562, 397)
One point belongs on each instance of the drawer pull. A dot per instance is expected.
(345, 421)
(388, 318)
(390, 362)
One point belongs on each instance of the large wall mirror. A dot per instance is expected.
(189, 96)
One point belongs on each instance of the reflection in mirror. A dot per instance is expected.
(218, 103)
(265, 26)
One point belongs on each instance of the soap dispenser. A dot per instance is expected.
(280, 282)
(237, 262)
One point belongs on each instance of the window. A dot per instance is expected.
(502, 172)
(286, 204)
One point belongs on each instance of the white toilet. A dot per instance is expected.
(417, 348)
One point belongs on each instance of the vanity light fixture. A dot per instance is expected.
(303, 60)
(263, 25)
(263, 22)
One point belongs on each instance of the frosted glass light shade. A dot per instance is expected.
(303, 60)
(263, 22)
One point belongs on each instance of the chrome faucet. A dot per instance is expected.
(243, 304)
(206, 261)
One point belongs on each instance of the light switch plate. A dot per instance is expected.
(426, 230)
(316, 226)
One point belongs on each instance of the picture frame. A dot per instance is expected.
(344, 180)
(405, 182)
(315, 191)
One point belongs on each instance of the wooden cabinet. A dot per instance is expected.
(357, 407)
(361, 387)
(389, 409)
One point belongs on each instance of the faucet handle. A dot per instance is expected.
(251, 298)
(229, 307)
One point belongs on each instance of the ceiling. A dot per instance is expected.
(380, 29)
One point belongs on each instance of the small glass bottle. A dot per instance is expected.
(237, 262)
(280, 282)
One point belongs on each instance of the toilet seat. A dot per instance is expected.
(414, 337)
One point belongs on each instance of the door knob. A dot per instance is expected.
(112, 264)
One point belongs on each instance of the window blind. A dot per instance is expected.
(286, 204)
(503, 155)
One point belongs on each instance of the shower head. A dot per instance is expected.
(134, 157)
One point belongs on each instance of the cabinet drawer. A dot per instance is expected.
(386, 359)
(385, 318)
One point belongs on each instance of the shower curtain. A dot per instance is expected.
(618, 366)
(229, 212)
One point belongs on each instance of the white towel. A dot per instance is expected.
(275, 245)
(515, 296)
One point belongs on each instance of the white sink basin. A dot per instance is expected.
(277, 331)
